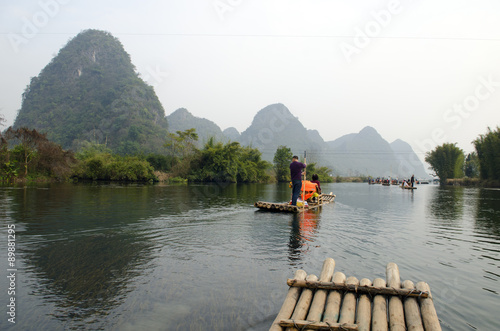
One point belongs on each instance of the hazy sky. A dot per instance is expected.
(427, 72)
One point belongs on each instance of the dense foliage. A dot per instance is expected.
(471, 167)
(447, 161)
(230, 162)
(91, 92)
(488, 153)
(97, 163)
(324, 173)
(32, 155)
(281, 160)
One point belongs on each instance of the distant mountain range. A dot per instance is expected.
(362, 153)
(91, 92)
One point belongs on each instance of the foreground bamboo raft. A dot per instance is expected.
(285, 207)
(334, 302)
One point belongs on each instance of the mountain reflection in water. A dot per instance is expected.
(186, 257)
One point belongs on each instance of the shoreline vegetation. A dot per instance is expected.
(168, 178)
(27, 156)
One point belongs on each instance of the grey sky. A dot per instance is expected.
(423, 71)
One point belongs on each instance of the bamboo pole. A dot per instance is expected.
(363, 312)
(348, 309)
(396, 313)
(373, 290)
(319, 301)
(412, 311)
(302, 306)
(333, 301)
(429, 315)
(379, 318)
(289, 303)
(304, 191)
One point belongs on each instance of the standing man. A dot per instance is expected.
(296, 174)
(412, 180)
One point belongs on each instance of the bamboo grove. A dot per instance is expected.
(450, 162)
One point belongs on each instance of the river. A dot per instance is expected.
(201, 257)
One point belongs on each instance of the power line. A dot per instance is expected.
(212, 35)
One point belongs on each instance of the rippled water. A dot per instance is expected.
(198, 257)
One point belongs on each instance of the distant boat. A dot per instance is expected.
(408, 187)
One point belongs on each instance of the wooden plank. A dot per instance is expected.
(373, 290)
(308, 325)
(379, 318)
(396, 313)
(412, 310)
(333, 301)
(302, 306)
(429, 315)
(348, 309)
(319, 300)
(363, 312)
(289, 303)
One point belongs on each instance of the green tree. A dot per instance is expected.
(161, 162)
(229, 163)
(181, 143)
(488, 152)
(98, 164)
(27, 143)
(447, 161)
(471, 168)
(35, 152)
(322, 172)
(8, 169)
(281, 160)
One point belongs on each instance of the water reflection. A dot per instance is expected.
(78, 245)
(447, 203)
(488, 214)
(303, 229)
(86, 275)
(202, 257)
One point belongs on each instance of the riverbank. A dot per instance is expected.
(473, 182)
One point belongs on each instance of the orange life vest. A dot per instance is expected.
(308, 189)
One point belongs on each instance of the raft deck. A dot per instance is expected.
(334, 302)
(322, 199)
(408, 187)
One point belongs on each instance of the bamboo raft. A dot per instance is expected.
(408, 187)
(333, 302)
(321, 200)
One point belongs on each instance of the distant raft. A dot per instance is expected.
(408, 187)
(319, 201)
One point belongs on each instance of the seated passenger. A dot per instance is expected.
(315, 180)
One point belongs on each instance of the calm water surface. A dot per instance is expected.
(158, 257)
